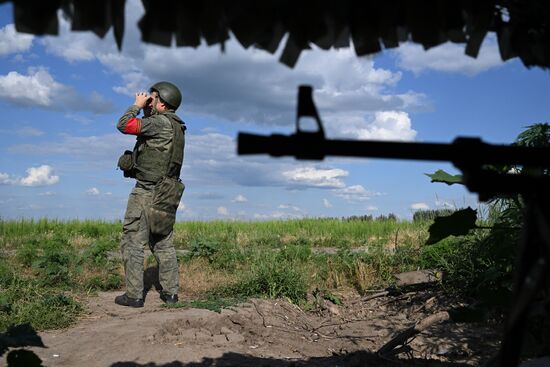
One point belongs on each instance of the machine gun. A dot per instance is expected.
(473, 157)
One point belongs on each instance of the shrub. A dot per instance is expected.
(98, 252)
(54, 265)
(272, 279)
(26, 254)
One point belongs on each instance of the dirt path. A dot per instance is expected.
(262, 333)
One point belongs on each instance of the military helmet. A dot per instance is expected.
(168, 92)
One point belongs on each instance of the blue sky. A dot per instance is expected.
(62, 96)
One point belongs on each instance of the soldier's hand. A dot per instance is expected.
(141, 99)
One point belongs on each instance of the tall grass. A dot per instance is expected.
(47, 265)
(90, 228)
(17, 233)
(316, 232)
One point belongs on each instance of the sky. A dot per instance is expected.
(61, 97)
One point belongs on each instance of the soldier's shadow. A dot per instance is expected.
(150, 280)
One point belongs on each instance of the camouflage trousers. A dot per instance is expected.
(135, 237)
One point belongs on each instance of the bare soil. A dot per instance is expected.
(265, 333)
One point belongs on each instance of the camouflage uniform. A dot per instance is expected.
(155, 133)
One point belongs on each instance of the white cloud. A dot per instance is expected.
(93, 191)
(81, 46)
(445, 204)
(5, 179)
(13, 42)
(39, 176)
(36, 88)
(39, 89)
(289, 207)
(327, 203)
(181, 207)
(250, 86)
(386, 125)
(211, 160)
(107, 147)
(29, 132)
(355, 193)
(419, 206)
(77, 46)
(276, 215)
(240, 199)
(448, 57)
(372, 208)
(222, 210)
(316, 177)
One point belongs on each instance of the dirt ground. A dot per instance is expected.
(265, 333)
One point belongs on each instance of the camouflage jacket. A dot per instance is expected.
(155, 138)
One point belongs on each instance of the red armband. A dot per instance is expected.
(133, 126)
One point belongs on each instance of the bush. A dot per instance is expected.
(27, 254)
(203, 248)
(53, 311)
(53, 267)
(98, 252)
(25, 301)
(272, 279)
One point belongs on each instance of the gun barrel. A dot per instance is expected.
(461, 151)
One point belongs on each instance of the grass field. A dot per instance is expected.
(47, 266)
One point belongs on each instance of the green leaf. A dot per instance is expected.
(332, 298)
(442, 176)
(536, 135)
(457, 224)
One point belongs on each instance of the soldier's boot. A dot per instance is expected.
(124, 300)
(169, 299)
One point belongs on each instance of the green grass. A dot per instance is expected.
(315, 232)
(213, 302)
(30, 228)
(30, 299)
(47, 265)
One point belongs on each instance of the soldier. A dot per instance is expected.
(156, 161)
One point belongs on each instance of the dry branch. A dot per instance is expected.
(404, 337)
(376, 295)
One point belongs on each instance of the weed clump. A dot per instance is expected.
(26, 300)
(98, 252)
(271, 279)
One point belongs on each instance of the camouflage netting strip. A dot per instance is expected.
(371, 26)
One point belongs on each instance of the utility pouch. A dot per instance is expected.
(162, 212)
(126, 164)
